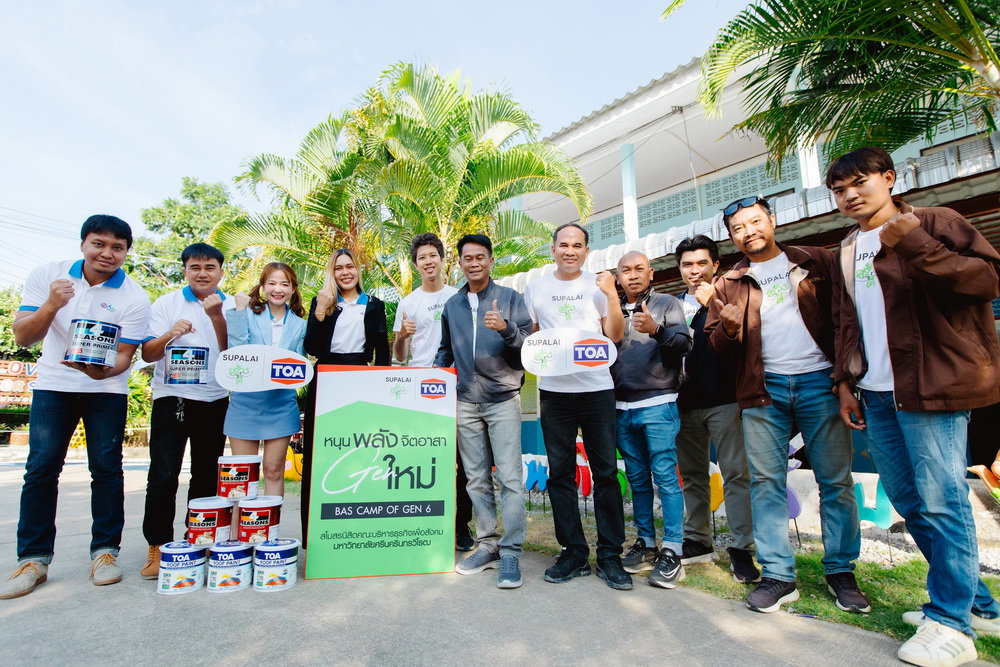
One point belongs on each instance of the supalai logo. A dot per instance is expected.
(433, 388)
(288, 371)
(590, 352)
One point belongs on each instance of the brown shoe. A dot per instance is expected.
(152, 567)
(29, 574)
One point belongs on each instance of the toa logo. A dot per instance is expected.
(433, 388)
(288, 371)
(590, 352)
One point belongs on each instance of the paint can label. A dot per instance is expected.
(92, 342)
(230, 567)
(182, 568)
(275, 565)
(186, 365)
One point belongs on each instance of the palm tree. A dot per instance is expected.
(849, 74)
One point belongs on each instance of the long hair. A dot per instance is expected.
(330, 283)
(257, 299)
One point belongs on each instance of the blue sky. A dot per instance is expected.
(107, 105)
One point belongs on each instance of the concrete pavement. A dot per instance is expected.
(430, 619)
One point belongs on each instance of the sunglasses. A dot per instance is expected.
(744, 203)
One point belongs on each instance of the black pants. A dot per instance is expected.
(463, 505)
(594, 413)
(175, 421)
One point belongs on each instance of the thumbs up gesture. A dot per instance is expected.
(731, 316)
(494, 318)
(643, 321)
(407, 328)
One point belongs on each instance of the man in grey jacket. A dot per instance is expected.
(647, 376)
(482, 329)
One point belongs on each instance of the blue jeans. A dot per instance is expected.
(804, 401)
(920, 457)
(646, 440)
(492, 431)
(54, 415)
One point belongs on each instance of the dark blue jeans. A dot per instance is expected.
(54, 416)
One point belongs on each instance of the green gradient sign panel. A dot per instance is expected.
(383, 475)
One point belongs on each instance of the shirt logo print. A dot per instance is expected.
(108, 307)
(777, 293)
(866, 273)
(567, 309)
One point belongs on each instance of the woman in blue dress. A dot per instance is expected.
(270, 315)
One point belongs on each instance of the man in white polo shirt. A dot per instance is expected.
(573, 298)
(90, 318)
(187, 329)
(418, 335)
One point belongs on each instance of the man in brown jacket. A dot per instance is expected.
(774, 307)
(916, 340)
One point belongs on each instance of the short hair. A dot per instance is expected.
(480, 239)
(201, 251)
(427, 238)
(107, 224)
(699, 242)
(586, 236)
(860, 162)
(760, 201)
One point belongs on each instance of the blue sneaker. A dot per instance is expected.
(510, 573)
(479, 561)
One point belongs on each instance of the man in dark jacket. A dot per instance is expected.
(916, 340)
(646, 376)
(482, 329)
(710, 414)
(774, 308)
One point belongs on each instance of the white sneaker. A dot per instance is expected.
(936, 645)
(982, 626)
(105, 570)
(28, 574)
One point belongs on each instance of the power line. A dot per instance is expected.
(35, 215)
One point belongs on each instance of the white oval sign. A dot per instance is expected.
(562, 351)
(261, 367)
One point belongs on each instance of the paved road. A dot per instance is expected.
(430, 619)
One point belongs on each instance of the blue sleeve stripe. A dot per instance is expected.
(28, 308)
(131, 341)
(148, 338)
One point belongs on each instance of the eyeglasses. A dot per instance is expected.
(744, 203)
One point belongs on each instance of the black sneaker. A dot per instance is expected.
(667, 570)
(693, 551)
(770, 594)
(464, 542)
(610, 570)
(844, 587)
(639, 557)
(741, 563)
(566, 567)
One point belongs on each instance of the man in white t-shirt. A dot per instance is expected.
(418, 336)
(915, 340)
(573, 298)
(187, 331)
(90, 318)
(774, 308)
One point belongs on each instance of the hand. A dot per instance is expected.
(324, 301)
(606, 282)
(213, 305)
(850, 407)
(60, 292)
(704, 293)
(242, 300)
(731, 316)
(642, 320)
(407, 328)
(897, 227)
(93, 371)
(494, 318)
(180, 328)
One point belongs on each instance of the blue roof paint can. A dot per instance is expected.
(182, 568)
(230, 567)
(275, 565)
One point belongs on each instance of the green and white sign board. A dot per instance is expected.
(382, 500)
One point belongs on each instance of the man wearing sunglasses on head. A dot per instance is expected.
(774, 308)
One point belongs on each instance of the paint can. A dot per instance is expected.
(275, 565)
(186, 364)
(92, 342)
(210, 520)
(260, 519)
(230, 566)
(239, 477)
(182, 568)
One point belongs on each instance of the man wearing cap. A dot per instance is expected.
(90, 318)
